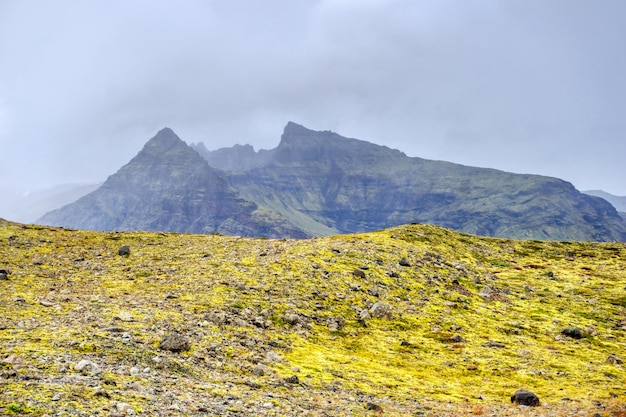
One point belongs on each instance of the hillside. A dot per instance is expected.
(169, 187)
(327, 184)
(619, 202)
(413, 320)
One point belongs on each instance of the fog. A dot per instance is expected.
(523, 86)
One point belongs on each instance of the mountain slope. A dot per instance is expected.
(325, 184)
(415, 320)
(169, 187)
(619, 202)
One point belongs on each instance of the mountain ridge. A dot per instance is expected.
(168, 186)
(317, 183)
(326, 184)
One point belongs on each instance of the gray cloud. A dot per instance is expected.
(524, 86)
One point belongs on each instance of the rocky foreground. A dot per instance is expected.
(410, 321)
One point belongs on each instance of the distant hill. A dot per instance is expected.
(169, 187)
(618, 202)
(320, 183)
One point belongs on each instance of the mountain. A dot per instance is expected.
(169, 187)
(410, 321)
(327, 184)
(320, 183)
(618, 202)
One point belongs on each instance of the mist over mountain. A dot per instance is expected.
(326, 184)
(318, 183)
(169, 187)
(27, 207)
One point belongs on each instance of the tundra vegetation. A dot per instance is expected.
(413, 320)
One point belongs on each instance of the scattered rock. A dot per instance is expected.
(404, 262)
(15, 361)
(486, 292)
(292, 379)
(125, 408)
(456, 339)
(358, 273)
(271, 357)
(364, 315)
(87, 366)
(125, 316)
(4, 275)
(291, 318)
(614, 360)
(492, 344)
(373, 407)
(336, 323)
(573, 332)
(522, 397)
(381, 310)
(123, 251)
(258, 370)
(175, 342)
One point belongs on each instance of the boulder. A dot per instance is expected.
(573, 332)
(123, 251)
(175, 342)
(523, 397)
(381, 310)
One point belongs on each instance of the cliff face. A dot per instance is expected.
(170, 187)
(320, 183)
(325, 183)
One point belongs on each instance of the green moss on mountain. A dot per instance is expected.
(169, 187)
(327, 184)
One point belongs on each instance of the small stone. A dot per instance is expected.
(134, 371)
(523, 397)
(373, 407)
(614, 360)
(404, 262)
(336, 323)
(486, 292)
(456, 339)
(87, 366)
(258, 370)
(272, 357)
(573, 332)
(4, 276)
(125, 408)
(381, 310)
(292, 379)
(125, 316)
(358, 273)
(123, 251)
(56, 397)
(175, 342)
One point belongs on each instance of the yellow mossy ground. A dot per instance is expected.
(473, 320)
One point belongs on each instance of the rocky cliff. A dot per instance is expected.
(169, 187)
(325, 183)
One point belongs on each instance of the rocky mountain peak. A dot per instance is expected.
(163, 141)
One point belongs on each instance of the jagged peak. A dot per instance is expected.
(164, 141)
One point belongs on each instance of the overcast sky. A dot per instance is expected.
(529, 86)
